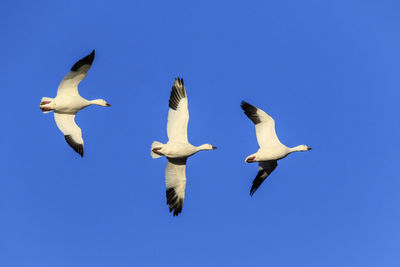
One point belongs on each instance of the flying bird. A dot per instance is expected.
(68, 102)
(178, 148)
(271, 149)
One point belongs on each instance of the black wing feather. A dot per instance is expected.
(177, 93)
(251, 112)
(175, 203)
(173, 200)
(263, 173)
(88, 60)
(75, 146)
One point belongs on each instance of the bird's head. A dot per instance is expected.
(304, 148)
(104, 103)
(99, 102)
(207, 147)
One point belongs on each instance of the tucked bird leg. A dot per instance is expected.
(46, 104)
(156, 150)
(251, 159)
(46, 109)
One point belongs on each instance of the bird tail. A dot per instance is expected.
(43, 102)
(153, 145)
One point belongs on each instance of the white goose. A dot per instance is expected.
(271, 149)
(178, 148)
(68, 102)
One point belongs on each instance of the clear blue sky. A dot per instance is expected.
(327, 71)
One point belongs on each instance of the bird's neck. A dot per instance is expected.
(98, 102)
(297, 149)
(202, 147)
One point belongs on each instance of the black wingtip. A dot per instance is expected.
(180, 80)
(261, 176)
(250, 111)
(253, 190)
(267, 168)
(177, 93)
(88, 60)
(78, 148)
(246, 106)
(92, 54)
(175, 203)
(257, 182)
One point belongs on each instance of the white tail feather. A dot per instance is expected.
(153, 145)
(46, 99)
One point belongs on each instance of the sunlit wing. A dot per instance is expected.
(69, 85)
(265, 125)
(178, 115)
(72, 133)
(175, 181)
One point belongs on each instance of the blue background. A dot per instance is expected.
(327, 71)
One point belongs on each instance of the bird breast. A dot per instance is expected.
(273, 153)
(69, 104)
(178, 150)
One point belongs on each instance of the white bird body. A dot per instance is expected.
(72, 104)
(271, 149)
(68, 102)
(181, 149)
(276, 152)
(178, 148)
(272, 153)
